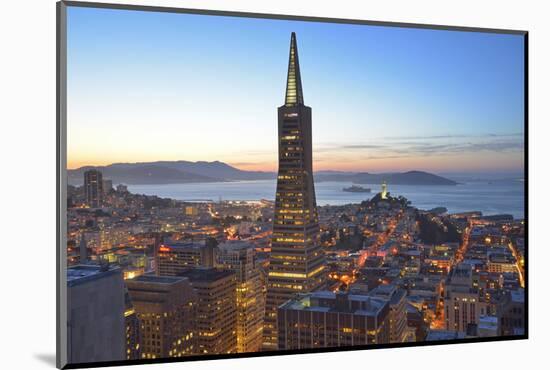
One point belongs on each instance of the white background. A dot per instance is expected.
(27, 197)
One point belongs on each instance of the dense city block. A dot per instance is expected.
(187, 278)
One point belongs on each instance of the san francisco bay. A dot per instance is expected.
(489, 197)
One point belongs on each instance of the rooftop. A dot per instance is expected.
(444, 335)
(80, 274)
(235, 245)
(150, 278)
(390, 292)
(462, 269)
(314, 302)
(180, 245)
(518, 296)
(206, 274)
(488, 322)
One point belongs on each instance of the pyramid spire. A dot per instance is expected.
(294, 95)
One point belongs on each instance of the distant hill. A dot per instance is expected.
(403, 178)
(169, 172)
(217, 169)
(179, 172)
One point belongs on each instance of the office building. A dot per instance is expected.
(325, 319)
(297, 261)
(121, 189)
(239, 256)
(511, 313)
(461, 299)
(501, 263)
(95, 314)
(133, 332)
(93, 188)
(398, 313)
(216, 309)
(165, 307)
(191, 211)
(174, 258)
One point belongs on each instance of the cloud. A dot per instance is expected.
(375, 157)
(465, 147)
(363, 146)
(411, 146)
(335, 147)
(498, 147)
(452, 136)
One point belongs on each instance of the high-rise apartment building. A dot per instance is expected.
(325, 319)
(297, 261)
(239, 256)
(93, 188)
(216, 309)
(95, 314)
(166, 308)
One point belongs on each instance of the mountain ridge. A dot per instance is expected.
(175, 172)
(392, 178)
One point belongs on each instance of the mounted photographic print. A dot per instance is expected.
(235, 184)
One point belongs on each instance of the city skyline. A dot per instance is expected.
(319, 266)
(388, 99)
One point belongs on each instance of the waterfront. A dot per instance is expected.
(494, 197)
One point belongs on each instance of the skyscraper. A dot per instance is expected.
(93, 188)
(239, 256)
(297, 260)
(166, 309)
(216, 321)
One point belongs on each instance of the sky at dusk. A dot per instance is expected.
(146, 86)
